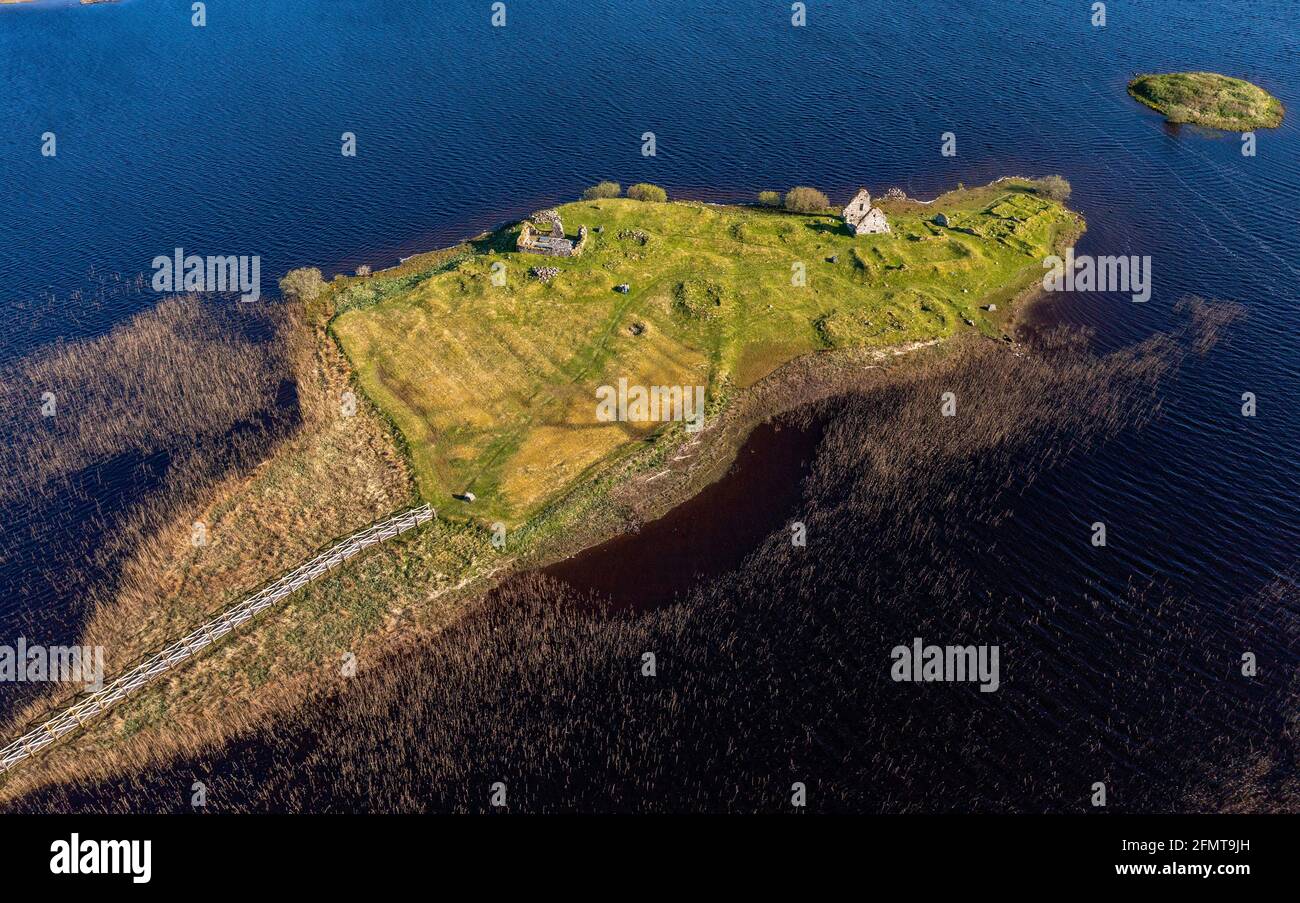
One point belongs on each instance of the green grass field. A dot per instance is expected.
(1208, 99)
(493, 387)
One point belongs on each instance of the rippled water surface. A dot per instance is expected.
(225, 140)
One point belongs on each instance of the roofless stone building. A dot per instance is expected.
(862, 218)
(553, 243)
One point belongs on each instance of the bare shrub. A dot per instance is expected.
(1054, 187)
(602, 190)
(802, 199)
(644, 191)
(303, 284)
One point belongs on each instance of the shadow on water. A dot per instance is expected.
(783, 663)
(709, 534)
(62, 548)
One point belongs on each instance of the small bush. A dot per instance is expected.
(602, 190)
(769, 198)
(1054, 187)
(802, 199)
(303, 284)
(644, 191)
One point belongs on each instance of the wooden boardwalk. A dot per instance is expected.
(93, 704)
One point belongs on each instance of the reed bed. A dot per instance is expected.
(200, 414)
(779, 673)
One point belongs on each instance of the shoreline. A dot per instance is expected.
(517, 449)
(828, 372)
(635, 496)
(616, 497)
(1176, 109)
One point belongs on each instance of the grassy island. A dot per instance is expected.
(470, 384)
(492, 382)
(1208, 99)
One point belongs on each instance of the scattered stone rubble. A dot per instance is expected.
(635, 235)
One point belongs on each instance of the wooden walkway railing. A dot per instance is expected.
(96, 703)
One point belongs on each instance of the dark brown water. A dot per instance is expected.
(707, 535)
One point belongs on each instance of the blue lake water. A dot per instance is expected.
(225, 139)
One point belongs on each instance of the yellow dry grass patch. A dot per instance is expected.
(487, 369)
(565, 439)
(555, 456)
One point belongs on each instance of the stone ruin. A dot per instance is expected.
(550, 217)
(862, 218)
(533, 241)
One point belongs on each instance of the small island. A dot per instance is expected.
(1208, 99)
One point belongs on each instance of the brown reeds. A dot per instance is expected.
(778, 673)
(106, 439)
(196, 411)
